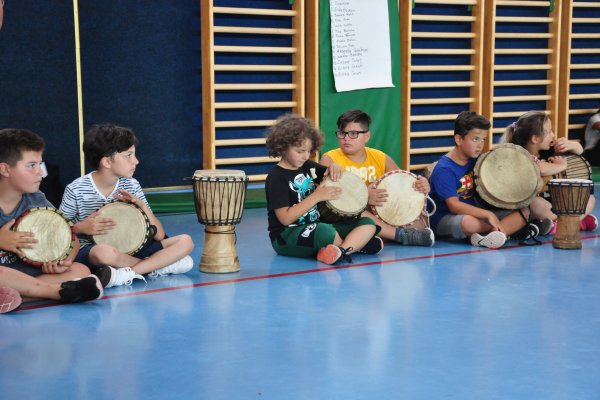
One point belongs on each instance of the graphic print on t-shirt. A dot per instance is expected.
(465, 190)
(304, 185)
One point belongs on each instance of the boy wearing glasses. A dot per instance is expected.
(453, 190)
(370, 164)
(110, 150)
(21, 171)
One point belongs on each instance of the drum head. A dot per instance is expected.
(354, 198)
(577, 168)
(404, 204)
(53, 232)
(132, 229)
(507, 177)
(210, 174)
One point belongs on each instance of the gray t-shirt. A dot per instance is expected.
(29, 200)
(592, 135)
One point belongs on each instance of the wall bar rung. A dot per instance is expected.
(444, 18)
(514, 3)
(585, 51)
(443, 35)
(240, 142)
(521, 67)
(444, 100)
(421, 85)
(576, 126)
(428, 134)
(583, 96)
(434, 117)
(586, 4)
(585, 82)
(254, 68)
(586, 21)
(255, 86)
(256, 104)
(254, 31)
(526, 51)
(254, 49)
(437, 68)
(585, 35)
(585, 66)
(540, 20)
(244, 124)
(429, 150)
(582, 111)
(519, 35)
(523, 82)
(245, 160)
(254, 11)
(442, 52)
(502, 99)
(449, 2)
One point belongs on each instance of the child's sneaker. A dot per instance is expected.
(373, 246)
(415, 237)
(178, 267)
(492, 240)
(103, 272)
(529, 231)
(122, 276)
(553, 229)
(331, 254)
(588, 223)
(544, 225)
(10, 299)
(79, 290)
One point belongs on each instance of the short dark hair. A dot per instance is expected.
(13, 142)
(291, 130)
(467, 120)
(105, 140)
(358, 116)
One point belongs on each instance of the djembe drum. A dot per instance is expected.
(507, 177)
(352, 202)
(404, 204)
(53, 231)
(577, 168)
(219, 199)
(133, 229)
(569, 200)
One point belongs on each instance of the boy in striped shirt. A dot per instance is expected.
(110, 150)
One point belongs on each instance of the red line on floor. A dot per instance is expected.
(293, 273)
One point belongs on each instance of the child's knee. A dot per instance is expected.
(103, 254)
(325, 234)
(79, 270)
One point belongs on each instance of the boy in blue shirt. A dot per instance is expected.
(453, 191)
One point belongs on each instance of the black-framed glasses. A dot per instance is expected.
(351, 134)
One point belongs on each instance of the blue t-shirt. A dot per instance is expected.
(450, 179)
(28, 201)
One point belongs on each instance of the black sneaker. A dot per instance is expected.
(104, 273)
(544, 225)
(528, 232)
(77, 291)
(373, 246)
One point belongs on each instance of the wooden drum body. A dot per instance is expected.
(351, 203)
(133, 229)
(219, 197)
(52, 230)
(507, 177)
(404, 204)
(569, 200)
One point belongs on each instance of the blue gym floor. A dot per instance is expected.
(452, 321)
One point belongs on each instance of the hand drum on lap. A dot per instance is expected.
(352, 202)
(132, 230)
(507, 177)
(51, 229)
(219, 197)
(404, 204)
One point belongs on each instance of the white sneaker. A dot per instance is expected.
(178, 267)
(122, 276)
(492, 240)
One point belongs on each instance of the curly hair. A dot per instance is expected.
(13, 142)
(292, 130)
(104, 140)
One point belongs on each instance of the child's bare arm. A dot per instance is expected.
(288, 215)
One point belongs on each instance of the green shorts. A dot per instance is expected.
(306, 240)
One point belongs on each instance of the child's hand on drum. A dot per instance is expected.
(124, 195)
(558, 160)
(334, 172)
(421, 185)
(14, 241)
(56, 267)
(325, 193)
(95, 225)
(377, 197)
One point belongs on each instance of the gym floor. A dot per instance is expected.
(451, 321)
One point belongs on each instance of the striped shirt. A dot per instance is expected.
(82, 198)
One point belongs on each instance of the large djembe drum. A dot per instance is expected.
(219, 199)
(352, 202)
(569, 200)
(507, 177)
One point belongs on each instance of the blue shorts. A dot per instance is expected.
(150, 248)
(25, 268)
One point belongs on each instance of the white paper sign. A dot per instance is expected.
(360, 41)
